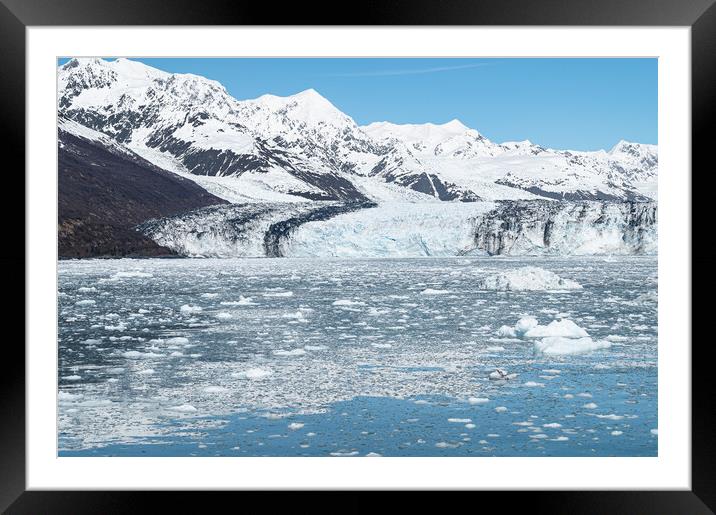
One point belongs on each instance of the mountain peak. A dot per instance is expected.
(308, 93)
(455, 124)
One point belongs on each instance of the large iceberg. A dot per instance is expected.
(528, 278)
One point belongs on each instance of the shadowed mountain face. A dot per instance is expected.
(105, 191)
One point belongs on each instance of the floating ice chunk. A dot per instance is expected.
(654, 432)
(86, 289)
(279, 294)
(253, 373)
(297, 315)
(209, 295)
(560, 439)
(617, 338)
(470, 426)
(533, 384)
(293, 426)
(501, 375)
(135, 354)
(501, 409)
(373, 455)
(524, 324)
(460, 420)
(183, 408)
(177, 340)
(72, 378)
(552, 425)
(590, 405)
(432, 291)
(146, 372)
(130, 274)
(538, 436)
(617, 433)
(91, 341)
(478, 400)
(314, 347)
(611, 416)
(560, 346)
(292, 352)
(345, 453)
(348, 302)
(496, 348)
(223, 315)
(527, 278)
(243, 301)
(447, 445)
(190, 308)
(381, 345)
(85, 302)
(564, 328)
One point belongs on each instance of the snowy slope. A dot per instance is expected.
(302, 147)
(514, 170)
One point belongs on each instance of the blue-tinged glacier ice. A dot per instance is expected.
(336, 229)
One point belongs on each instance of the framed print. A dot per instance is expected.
(433, 249)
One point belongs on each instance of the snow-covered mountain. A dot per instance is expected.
(301, 147)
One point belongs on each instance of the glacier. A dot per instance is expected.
(367, 229)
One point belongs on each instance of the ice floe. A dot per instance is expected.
(529, 278)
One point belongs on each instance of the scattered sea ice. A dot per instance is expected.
(130, 274)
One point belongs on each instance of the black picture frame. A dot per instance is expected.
(17, 15)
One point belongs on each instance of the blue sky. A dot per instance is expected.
(580, 104)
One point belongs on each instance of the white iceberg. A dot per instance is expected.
(559, 346)
(529, 278)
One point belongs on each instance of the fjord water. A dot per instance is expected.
(320, 357)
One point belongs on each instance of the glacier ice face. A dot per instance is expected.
(568, 228)
(335, 229)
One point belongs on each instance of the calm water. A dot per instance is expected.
(300, 357)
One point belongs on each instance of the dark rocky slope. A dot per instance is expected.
(103, 193)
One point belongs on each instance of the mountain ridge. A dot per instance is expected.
(303, 147)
